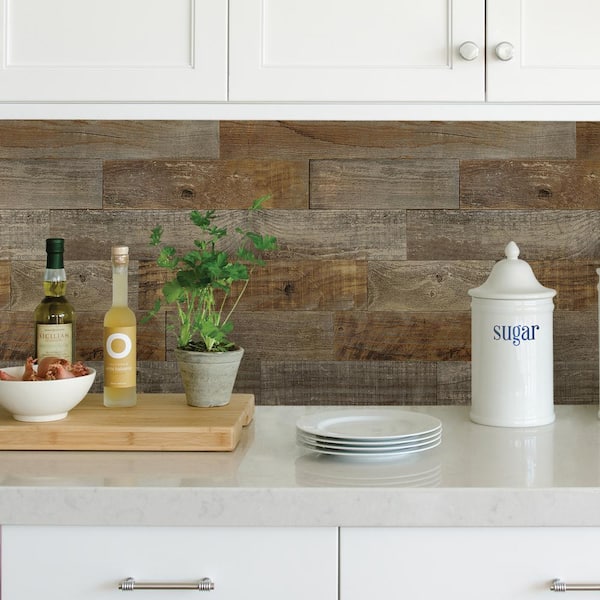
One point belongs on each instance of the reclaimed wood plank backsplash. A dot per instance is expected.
(382, 229)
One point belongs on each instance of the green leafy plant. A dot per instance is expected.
(201, 286)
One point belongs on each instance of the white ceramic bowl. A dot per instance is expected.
(43, 400)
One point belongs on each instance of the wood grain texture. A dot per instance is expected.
(109, 139)
(348, 382)
(576, 382)
(588, 140)
(381, 139)
(367, 296)
(453, 382)
(465, 234)
(5, 286)
(158, 422)
(530, 184)
(576, 336)
(575, 282)
(89, 284)
(383, 184)
(402, 336)
(285, 335)
(214, 184)
(43, 184)
(424, 285)
(17, 337)
(283, 285)
(23, 234)
(301, 234)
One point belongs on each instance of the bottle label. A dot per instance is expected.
(55, 340)
(119, 357)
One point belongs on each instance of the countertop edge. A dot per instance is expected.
(290, 507)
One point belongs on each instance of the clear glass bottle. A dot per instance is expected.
(120, 338)
(54, 316)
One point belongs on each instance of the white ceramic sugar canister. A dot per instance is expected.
(512, 375)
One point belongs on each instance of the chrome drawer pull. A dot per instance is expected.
(560, 586)
(130, 584)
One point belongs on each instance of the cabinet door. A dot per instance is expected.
(555, 54)
(351, 50)
(113, 50)
(464, 563)
(58, 563)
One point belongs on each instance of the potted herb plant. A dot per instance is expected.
(200, 289)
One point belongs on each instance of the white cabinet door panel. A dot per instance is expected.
(465, 563)
(346, 50)
(87, 563)
(114, 50)
(556, 51)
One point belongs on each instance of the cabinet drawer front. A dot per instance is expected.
(55, 563)
(465, 563)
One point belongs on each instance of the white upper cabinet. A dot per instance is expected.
(351, 50)
(113, 50)
(550, 51)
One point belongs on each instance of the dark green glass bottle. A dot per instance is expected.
(54, 316)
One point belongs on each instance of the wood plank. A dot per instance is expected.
(588, 140)
(402, 336)
(23, 234)
(348, 382)
(424, 285)
(42, 184)
(540, 234)
(301, 234)
(399, 139)
(575, 282)
(5, 285)
(530, 184)
(383, 184)
(17, 337)
(576, 382)
(109, 139)
(297, 335)
(576, 336)
(454, 382)
(89, 283)
(205, 184)
(157, 423)
(283, 285)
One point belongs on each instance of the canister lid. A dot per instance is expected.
(512, 279)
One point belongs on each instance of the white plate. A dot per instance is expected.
(352, 443)
(378, 454)
(368, 424)
(396, 446)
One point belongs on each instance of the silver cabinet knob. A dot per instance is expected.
(505, 51)
(468, 50)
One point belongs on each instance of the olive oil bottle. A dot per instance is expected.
(120, 338)
(54, 316)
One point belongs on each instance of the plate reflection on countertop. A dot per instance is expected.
(414, 470)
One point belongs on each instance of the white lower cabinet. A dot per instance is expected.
(466, 563)
(76, 563)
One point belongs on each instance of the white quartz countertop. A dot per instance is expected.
(478, 476)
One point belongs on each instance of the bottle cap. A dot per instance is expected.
(512, 279)
(55, 245)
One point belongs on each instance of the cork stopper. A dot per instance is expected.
(120, 254)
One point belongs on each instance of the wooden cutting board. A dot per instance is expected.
(158, 422)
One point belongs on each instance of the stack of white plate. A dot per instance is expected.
(369, 433)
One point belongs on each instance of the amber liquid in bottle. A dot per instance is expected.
(120, 338)
(54, 316)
